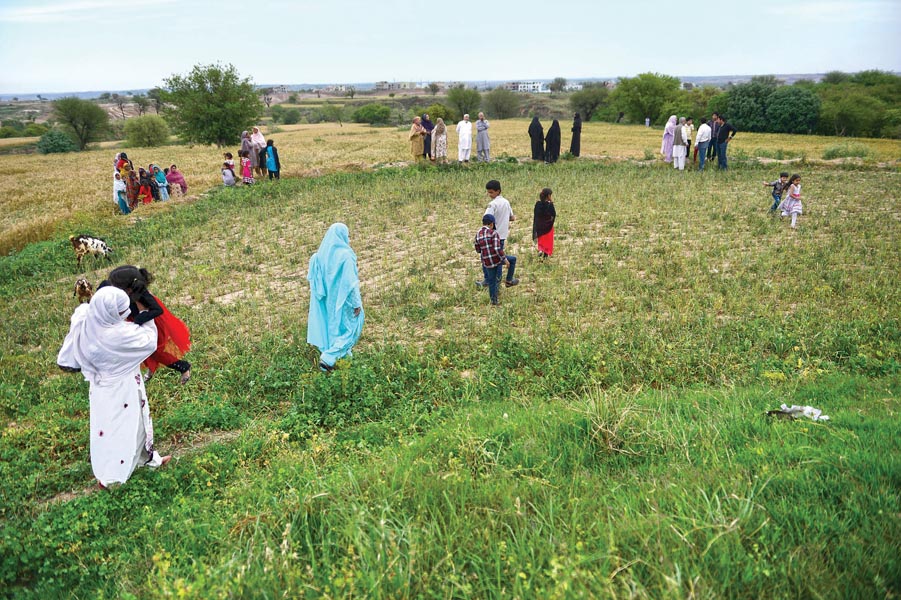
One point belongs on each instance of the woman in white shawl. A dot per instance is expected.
(120, 193)
(108, 350)
(258, 144)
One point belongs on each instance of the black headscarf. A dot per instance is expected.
(427, 124)
(536, 132)
(545, 214)
(552, 143)
(575, 146)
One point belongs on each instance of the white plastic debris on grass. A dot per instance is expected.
(796, 412)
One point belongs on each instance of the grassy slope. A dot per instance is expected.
(400, 475)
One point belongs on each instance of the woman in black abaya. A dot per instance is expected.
(536, 132)
(552, 143)
(575, 146)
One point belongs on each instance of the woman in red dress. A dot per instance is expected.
(543, 224)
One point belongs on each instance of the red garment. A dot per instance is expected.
(145, 191)
(173, 340)
(546, 242)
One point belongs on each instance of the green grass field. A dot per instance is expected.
(601, 434)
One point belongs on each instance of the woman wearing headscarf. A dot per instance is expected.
(543, 223)
(536, 132)
(427, 126)
(669, 133)
(258, 144)
(108, 352)
(439, 142)
(552, 143)
(417, 133)
(161, 182)
(174, 177)
(246, 144)
(132, 187)
(122, 162)
(336, 307)
(145, 192)
(575, 146)
(120, 193)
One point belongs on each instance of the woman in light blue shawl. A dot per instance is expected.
(336, 307)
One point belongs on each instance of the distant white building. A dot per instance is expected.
(530, 87)
(572, 87)
(280, 89)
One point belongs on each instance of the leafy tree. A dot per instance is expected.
(589, 99)
(748, 104)
(439, 111)
(719, 104)
(558, 84)
(13, 123)
(645, 95)
(156, 98)
(277, 113)
(433, 88)
(851, 112)
(874, 77)
(351, 92)
(374, 114)
(292, 99)
(464, 100)
(120, 102)
(266, 96)
(835, 77)
(501, 103)
(9, 132)
(149, 131)
(142, 103)
(292, 116)
(792, 109)
(83, 119)
(56, 141)
(212, 104)
(333, 113)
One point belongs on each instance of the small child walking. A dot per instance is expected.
(791, 205)
(778, 189)
(246, 167)
(488, 245)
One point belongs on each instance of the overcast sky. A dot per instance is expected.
(77, 45)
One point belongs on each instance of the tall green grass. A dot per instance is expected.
(599, 435)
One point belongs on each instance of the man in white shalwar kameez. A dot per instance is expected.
(108, 350)
(464, 133)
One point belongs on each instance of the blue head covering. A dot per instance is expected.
(334, 294)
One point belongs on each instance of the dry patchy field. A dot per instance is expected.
(38, 193)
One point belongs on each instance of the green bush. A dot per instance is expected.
(8, 132)
(55, 141)
(501, 103)
(439, 111)
(847, 150)
(277, 113)
(36, 129)
(291, 116)
(146, 131)
(374, 114)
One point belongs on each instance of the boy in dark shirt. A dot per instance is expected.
(723, 137)
(488, 245)
(778, 186)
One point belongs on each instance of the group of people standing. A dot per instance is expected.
(547, 147)
(429, 140)
(257, 156)
(712, 139)
(143, 186)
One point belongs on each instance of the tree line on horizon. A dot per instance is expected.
(213, 103)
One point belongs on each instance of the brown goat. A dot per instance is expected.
(83, 290)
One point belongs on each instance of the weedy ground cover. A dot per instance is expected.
(600, 434)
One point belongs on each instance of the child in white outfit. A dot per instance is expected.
(791, 204)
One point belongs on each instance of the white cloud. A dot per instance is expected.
(70, 11)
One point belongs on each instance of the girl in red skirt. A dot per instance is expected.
(173, 336)
(543, 224)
